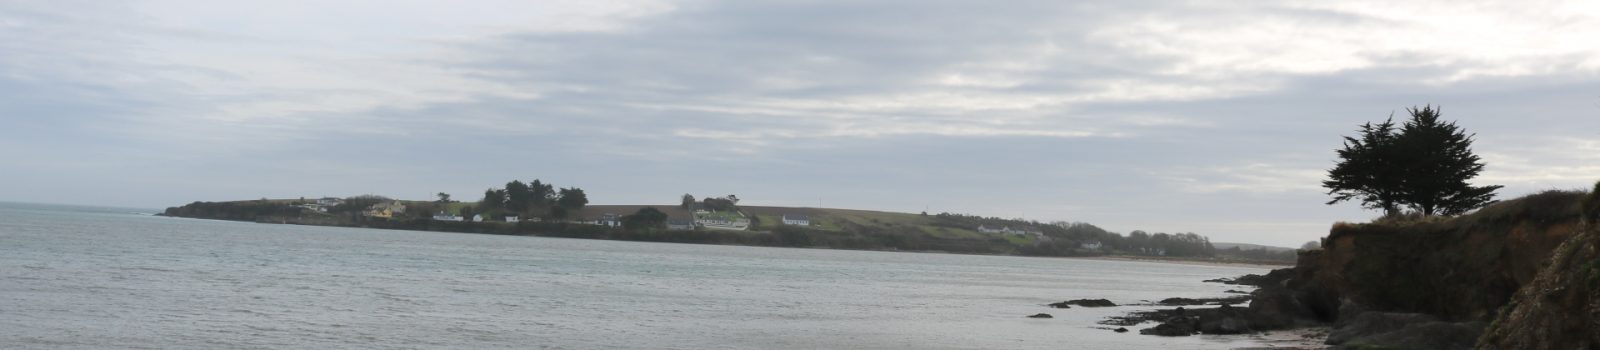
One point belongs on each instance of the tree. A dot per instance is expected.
(1368, 169)
(1440, 161)
(541, 194)
(518, 196)
(492, 199)
(688, 201)
(1423, 165)
(1311, 245)
(718, 204)
(572, 199)
(645, 218)
(443, 197)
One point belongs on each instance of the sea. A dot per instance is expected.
(110, 278)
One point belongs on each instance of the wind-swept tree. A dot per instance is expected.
(1424, 165)
(1439, 161)
(688, 201)
(443, 197)
(1369, 169)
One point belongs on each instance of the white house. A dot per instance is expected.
(986, 229)
(512, 218)
(443, 216)
(479, 218)
(609, 219)
(329, 201)
(1091, 245)
(796, 219)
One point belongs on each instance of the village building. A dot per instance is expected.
(609, 219)
(443, 216)
(796, 219)
(386, 209)
(329, 201)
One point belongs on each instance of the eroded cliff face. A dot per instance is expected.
(1560, 308)
(1461, 269)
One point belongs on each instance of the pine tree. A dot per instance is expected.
(1439, 161)
(1368, 169)
(1423, 165)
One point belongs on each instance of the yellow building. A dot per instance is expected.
(386, 209)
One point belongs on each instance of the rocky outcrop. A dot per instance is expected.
(1395, 330)
(1437, 283)
(1560, 308)
(1083, 303)
(1040, 316)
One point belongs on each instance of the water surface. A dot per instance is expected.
(74, 277)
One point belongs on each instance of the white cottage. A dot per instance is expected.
(796, 219)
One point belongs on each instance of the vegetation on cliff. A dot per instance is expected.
(1560, 308)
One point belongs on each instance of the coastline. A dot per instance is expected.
(1188, 261)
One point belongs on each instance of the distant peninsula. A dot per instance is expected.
(540, 209)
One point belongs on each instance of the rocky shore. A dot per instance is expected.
(1520, 274)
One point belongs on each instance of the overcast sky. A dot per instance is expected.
(1213, 117)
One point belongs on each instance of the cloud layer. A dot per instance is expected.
(1216, 118)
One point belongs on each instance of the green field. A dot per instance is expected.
(838, 219)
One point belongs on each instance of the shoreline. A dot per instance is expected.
(1185, 261)
(1306, 338)
(489, 229)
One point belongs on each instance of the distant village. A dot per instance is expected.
(714, 213)
(542, 209)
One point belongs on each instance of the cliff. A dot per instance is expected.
(1560, 308)
(1458, 269)
(1529, 265)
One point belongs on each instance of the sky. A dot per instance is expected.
(1213, 117)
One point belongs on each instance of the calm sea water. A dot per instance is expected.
(73, 277)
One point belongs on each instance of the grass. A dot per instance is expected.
(838, 219)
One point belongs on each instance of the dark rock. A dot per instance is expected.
(1179, 326)
(1426, 335)
(1181, 301)
(1224, 320)
(1041, 316)
(1277, 308)
(1250, 280)
(1120, 330)
(1204, 301)
(1084, 303)
(1374, 323)
(1230, 291)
